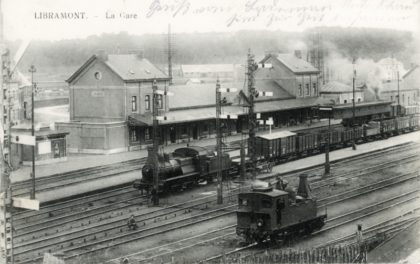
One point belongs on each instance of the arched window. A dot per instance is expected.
(147, 102)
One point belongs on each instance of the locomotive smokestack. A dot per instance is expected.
(304, 190)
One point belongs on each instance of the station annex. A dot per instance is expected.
(110, 99)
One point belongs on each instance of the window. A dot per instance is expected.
(243, 202)
(314, 89)
(359, 100)
(159, 101)
(147, 102)
(98, 75)
(345, 101)
(300, 90)
(147, 133)
(133, 103)
(307, 88)
(392, 99)
(133, 135)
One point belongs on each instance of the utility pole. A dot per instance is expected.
(32, 70)
(252, 120)
(155, 116)
(219, 137)
(329, 110)
(219, 144)
(169, 55)
(398, 91)
(155, 191)
(354, 107)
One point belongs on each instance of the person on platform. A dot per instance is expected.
(132, 225)
(360, 242)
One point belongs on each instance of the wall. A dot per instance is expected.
(101, 138)
(93, 100)
(290, 81)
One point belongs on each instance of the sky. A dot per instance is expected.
(30, 19)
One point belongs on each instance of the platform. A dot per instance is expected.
(82, 161)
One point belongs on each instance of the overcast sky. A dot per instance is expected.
(22, 17)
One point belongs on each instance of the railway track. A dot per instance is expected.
(341, 199)
(63, 247)
(114, 198)
(387, 227)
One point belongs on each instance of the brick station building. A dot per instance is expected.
(110, 102)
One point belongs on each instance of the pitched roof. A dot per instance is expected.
(338, 87)
(293, 63)
(410, 71)
(209, 112)
(275, 135)
(269, 85)
(130, 67)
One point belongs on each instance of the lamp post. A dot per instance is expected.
(32, 70)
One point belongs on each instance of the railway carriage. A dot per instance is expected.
(276, 146)
(307, 143)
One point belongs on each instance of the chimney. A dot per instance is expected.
(102, 55)
(304, 190)
(298, 54)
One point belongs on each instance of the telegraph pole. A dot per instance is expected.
(155, 116)
(32, 70)
(155, 191)
(219, 137)
(354, 107)
(169, 55)
(398, 91)
(252, 120)
(329, 110)
(219, 144)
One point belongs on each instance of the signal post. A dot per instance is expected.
(219, 141)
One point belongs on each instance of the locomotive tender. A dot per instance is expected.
(182, 168)
(267, 213)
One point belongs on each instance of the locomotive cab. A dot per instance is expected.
(271, 213)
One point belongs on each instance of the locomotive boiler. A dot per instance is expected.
(267, 213)
(183, 168)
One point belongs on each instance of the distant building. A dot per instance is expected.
(292, 74)
(408, 95)
(411, 80)
(390, 69)
(209, 72)
(340, 93)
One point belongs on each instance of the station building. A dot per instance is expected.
(110, 102)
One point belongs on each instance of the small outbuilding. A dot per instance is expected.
(50, 146)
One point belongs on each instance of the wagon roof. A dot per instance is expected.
(280, 134)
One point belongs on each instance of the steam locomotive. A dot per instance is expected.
(183, 168)
(267, 213)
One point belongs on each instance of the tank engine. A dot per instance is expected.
(182, 168)
(271, 213)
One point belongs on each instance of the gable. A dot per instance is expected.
(85, 76)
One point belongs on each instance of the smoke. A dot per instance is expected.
(368, 72)
(259, 183)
